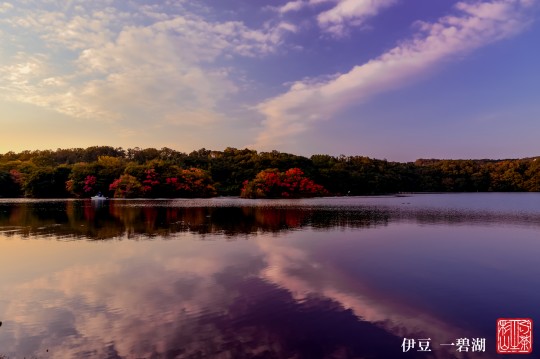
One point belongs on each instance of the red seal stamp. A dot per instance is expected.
(514, 336)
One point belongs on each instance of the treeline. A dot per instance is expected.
(165, 172)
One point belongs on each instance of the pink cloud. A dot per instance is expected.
(350, 12)
(476, 25)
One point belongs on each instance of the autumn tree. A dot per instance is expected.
(190, 183)
(271, 183)
(126, 186)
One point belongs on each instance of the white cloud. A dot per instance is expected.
(350, 12)
(292, 6)
(5, 7)
(135, 63)
(477, 24)
(342, 14)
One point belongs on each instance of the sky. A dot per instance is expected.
(393, 79)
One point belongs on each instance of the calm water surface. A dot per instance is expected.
(231, 278)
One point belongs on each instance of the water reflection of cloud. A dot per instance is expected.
(184, 299)
(130, 307)
(294, 266)
(273, 296)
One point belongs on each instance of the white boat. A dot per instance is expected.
(99, 198)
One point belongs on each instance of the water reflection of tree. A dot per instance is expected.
(33, 218)
(325, 219)
(124, 219)
(143, 219)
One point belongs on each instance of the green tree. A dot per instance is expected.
(47, 182)
(10, 186)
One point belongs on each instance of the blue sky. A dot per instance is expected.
(395, 79)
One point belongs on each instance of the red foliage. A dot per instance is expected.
(126, 186)
(89, 182)
(176, 183)
(274, 184)
(191, 182)
(151, 180)
(16, 176)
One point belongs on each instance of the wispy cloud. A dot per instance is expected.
(340, 16)
(350, 13)
(5, 6)
(474, 25)
(100, 62)
(291, 6)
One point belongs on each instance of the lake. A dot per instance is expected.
(349, 277)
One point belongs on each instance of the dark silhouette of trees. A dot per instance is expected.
(10, 186)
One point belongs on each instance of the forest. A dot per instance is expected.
(167, 173)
